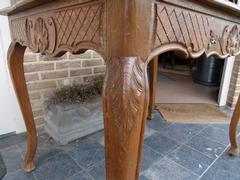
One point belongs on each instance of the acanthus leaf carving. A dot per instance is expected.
(125, 94)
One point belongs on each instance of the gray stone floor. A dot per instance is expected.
(171, 152)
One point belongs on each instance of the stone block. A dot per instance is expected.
(31, 77)
(54, 75)
(68, 64)
(41, 85)
(37, 67)
(30, 57)
(67, 122)
(92, 62)
(100, 69)
(81, 72)
(35, 96)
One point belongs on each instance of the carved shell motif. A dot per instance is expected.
(41, 35)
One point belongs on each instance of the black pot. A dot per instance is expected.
(209, 71)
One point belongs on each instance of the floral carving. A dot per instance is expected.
(213, 39)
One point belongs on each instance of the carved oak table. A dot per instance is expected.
(128, 34)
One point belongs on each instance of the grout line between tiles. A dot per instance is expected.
(213, 162)
(188, 170)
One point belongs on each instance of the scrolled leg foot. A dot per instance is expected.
(233, 151)
(233, 130)
(28, 167)
(152, 86)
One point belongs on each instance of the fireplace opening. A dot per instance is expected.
(191, 80)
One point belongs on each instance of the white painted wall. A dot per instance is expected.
(10, 115)
(225, 82)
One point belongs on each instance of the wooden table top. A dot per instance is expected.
(22, 5)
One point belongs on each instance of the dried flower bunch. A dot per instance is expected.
(77, 93)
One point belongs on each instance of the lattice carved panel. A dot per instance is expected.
(196, 32)
(77, 25)
(65, 29)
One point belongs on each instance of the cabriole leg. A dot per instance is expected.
(125, 97)
(233, 130)
(15, 62)
(153, 86)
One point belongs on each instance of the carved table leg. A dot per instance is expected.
(125, 110)
(233, 129)
(153, 86)
(15, 62)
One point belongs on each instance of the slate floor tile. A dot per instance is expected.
(224, 127)
(97, 171)
(86, 152)
(216, 174)
(142, 177)
(12, 140)
(98, 136)
(216, 134)
(80, 176)
(225, 168)
(19, 175)
(191, 159)
(182, 132)
(149, 157)
(171, 152)
(209, 148)
(46, 148)
(60, 166)
(158, 123)
(229, 163)
(161, 144)
(13, 158)
(166, 169)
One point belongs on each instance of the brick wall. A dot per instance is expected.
(44, 75)
(234, 88)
